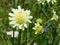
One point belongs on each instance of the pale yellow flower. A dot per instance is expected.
(38, 28)
(19, 18)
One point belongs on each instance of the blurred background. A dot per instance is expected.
(51, 34)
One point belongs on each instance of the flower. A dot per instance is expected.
(39, 20)
(20, 18)
(45, 30)
(38, 28)
(55, 17)
(11, 33)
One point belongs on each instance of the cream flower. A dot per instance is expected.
(20, 18)
(11, 33)
(38, 28)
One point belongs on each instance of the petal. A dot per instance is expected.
(25, 25)
(19, 7)
(11, 14)
(20, 26)
(15, 10)
(12, 22)
(27, 12)
(10, 18)
(29, 17)
(14, 26)
(29, 21)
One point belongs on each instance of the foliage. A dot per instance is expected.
(51, 34)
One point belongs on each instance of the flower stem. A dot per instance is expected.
(54, 35)
(27, 37)
(19, 37)
(13, 37)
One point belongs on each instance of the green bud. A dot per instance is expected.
(39, 20)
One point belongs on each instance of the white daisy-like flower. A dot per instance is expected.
(11, 33)
(38, 28)
(20, 18)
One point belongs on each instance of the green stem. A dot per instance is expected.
(28, 37)
(54, 35)
(13, 37)
(19, 37)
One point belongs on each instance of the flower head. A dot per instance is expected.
(19, 18)
(39, 20)
(38, 28)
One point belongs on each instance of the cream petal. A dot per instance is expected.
(20, 26)
(30, 17)
(15, 10)
(12, 22)
(19, 7)
(29, 21)
(14, 26)
(25, 25)
(11, 14)
(10, 18)
(27, 12)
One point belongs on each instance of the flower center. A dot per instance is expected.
(20, 18)
(39, 28)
